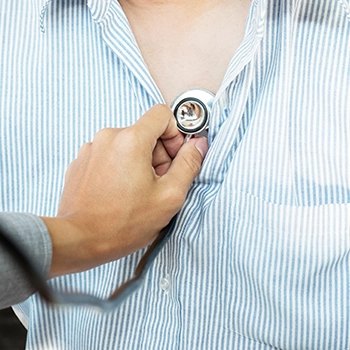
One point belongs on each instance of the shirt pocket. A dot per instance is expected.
(290, 273)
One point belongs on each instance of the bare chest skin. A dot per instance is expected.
(190, 44)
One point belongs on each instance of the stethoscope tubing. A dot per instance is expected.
(38, 281)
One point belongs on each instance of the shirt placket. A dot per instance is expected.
(231, 98)
(239, 75)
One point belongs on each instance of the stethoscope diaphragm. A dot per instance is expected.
(192, 110)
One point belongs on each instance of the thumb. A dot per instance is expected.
(186, 165)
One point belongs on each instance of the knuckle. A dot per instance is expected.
(105, 134)
(70, 169)
(85, 147)
(84, 150)
(129, 138)
(101, 133)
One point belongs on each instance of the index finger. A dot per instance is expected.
(159, 122)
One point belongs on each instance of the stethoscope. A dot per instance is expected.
(192, 111)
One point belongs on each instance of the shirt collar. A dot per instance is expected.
(97, 7)
(254, 33)
(116, 32)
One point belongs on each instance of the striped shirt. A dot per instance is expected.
(260, 255)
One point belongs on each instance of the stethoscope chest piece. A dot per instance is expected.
(192, 110)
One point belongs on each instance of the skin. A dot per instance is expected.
(122, 189)
(187, 43)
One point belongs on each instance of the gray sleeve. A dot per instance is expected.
(31, 234)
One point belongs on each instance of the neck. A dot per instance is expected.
(152, 3)
(189, 7)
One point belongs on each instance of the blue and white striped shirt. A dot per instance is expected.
(260, 255)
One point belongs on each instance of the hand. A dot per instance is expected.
(122, 189)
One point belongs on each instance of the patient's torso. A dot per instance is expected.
(260, 255)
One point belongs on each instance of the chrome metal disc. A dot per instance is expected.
(192, 110)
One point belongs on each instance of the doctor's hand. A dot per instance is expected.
(122, 189)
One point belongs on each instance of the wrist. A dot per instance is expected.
(74, 248)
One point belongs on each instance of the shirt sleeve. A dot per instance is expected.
(31, 234)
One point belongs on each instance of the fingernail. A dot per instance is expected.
(202, 145)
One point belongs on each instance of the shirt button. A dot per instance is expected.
(165, 284)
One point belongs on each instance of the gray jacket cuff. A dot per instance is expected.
(31, 234)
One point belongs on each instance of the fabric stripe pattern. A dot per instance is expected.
(260, 255)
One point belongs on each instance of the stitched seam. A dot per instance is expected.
(346, 6)
(42, 16)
